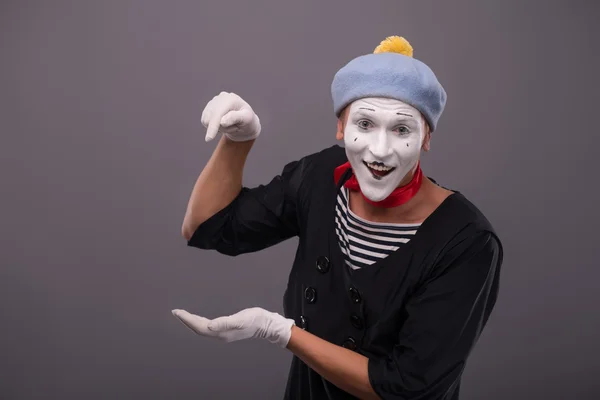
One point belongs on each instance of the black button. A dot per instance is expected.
(356, 321)
(322, 264)
(350, 343)
(355, 295)
(310, 295)
(303, 322)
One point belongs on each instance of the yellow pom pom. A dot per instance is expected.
(395, 44)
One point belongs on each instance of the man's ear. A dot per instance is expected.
(339, 135)
(427, 139)
(341, 124)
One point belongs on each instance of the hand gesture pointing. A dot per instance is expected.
(231, 115)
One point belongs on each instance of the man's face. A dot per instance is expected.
(383, 139)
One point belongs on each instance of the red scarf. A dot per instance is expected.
(399, 196)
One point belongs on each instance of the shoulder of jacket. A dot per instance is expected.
(321, 162)
(473, 221)
(467, 210)
(328, 159)
(334, 155)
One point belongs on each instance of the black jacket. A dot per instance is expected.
(415, 314)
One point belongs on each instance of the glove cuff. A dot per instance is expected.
(236, 137)
(282, 330)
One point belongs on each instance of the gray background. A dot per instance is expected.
(101, 143)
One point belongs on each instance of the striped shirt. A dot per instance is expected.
(364, 242)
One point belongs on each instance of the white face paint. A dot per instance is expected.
(383, 139)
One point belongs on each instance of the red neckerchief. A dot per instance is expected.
(399, 196)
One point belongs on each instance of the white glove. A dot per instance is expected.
(229, 114)
(247, 324)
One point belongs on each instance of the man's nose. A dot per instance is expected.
(380, 147)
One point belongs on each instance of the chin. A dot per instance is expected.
(377, 189)
(375, 195)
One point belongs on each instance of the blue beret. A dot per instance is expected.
(390, 75)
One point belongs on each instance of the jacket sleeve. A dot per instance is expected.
(443, 321)
(258, 217)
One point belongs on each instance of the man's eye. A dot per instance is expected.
(403, 130)
(364, 124)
